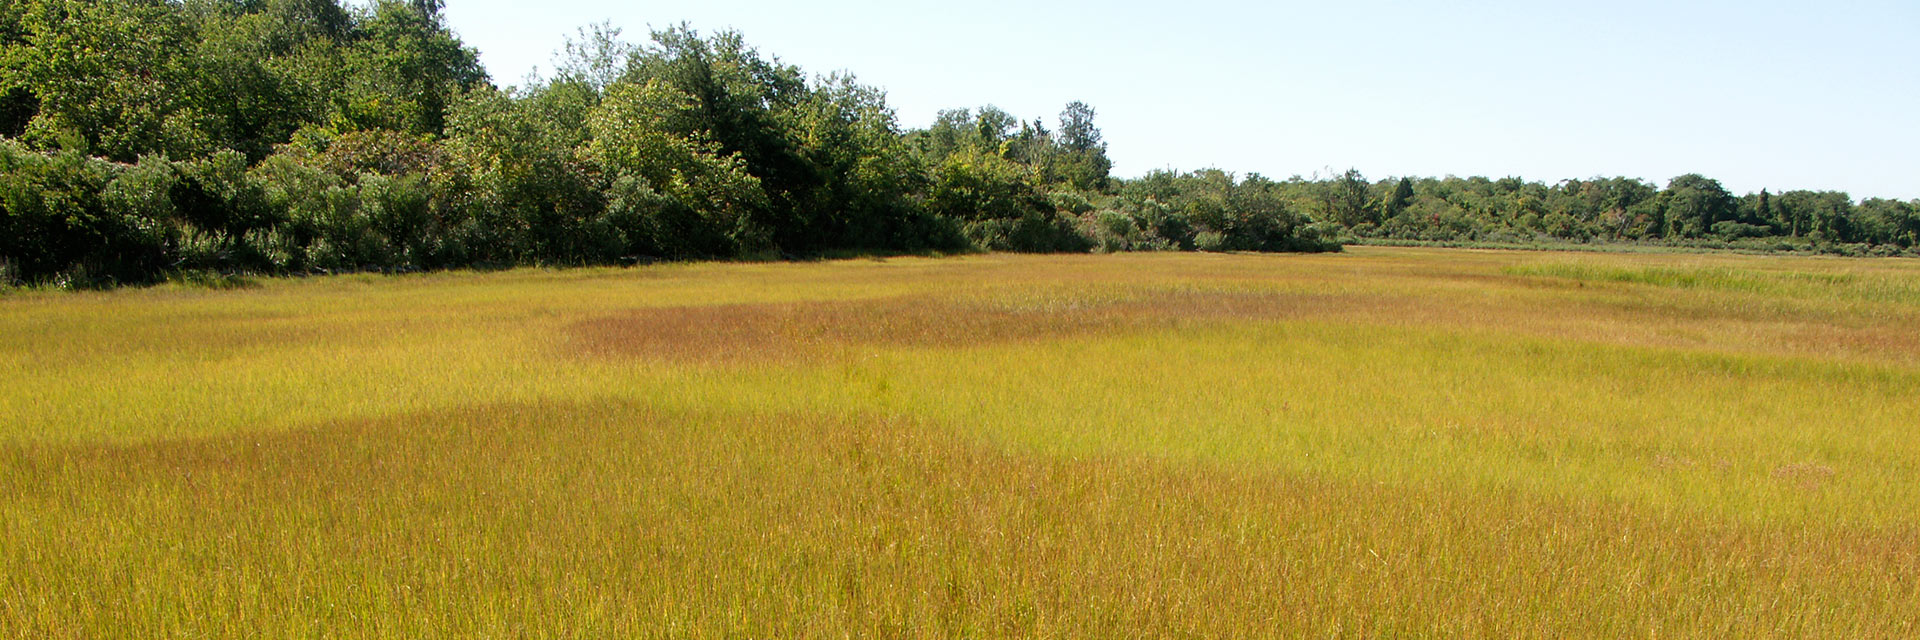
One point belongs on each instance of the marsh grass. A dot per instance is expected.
(202, 279)
(1389, 442)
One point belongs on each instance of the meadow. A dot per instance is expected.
(1387, 442)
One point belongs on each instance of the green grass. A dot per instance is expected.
(1387, 442)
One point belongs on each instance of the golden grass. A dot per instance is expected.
(1388, 442)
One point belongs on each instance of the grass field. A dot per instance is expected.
(1382, 443)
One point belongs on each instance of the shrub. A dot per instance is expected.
(1037, 232)
(397, 211)
(1111, 231)
(1070, 202)
(656, 224)
(381, 152)
(1210, 241)
(981, 187)
(1731, 230)
(221, 204)
(56, 226)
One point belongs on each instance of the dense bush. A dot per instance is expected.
(1210, 210)
(60, 222)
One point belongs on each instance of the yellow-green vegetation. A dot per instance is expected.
(1387, 442)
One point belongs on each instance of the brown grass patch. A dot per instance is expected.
(774, 331)
(1806, 475)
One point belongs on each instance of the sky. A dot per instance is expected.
(1769, 94)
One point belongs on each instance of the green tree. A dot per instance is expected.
(1693, 203)
(1085, 162)
(951, 132)
(1345, 200)
(743, 103)
(110, 75)
(1885, 221)
(595, 57)
(263, 69)
(404, 69)
(999, 205)
(18, 104)
(867, 174)
(1821, 215)
(1398, 199)
(992, 128)
(1035, 147)
(650, 133)
(975, 186)
(535, 195)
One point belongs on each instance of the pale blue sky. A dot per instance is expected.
(1780, 95)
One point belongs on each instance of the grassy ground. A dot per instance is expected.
(1387, 442)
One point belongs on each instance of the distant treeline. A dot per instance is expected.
(144, 138)
(1691, 211)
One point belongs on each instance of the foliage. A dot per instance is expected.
(1210, 210)
(73, 220)
(648, 135)
(107, 77)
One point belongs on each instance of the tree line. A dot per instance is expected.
(1691, 210)
(145, 138)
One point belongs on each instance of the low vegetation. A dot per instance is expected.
(1382, 442)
